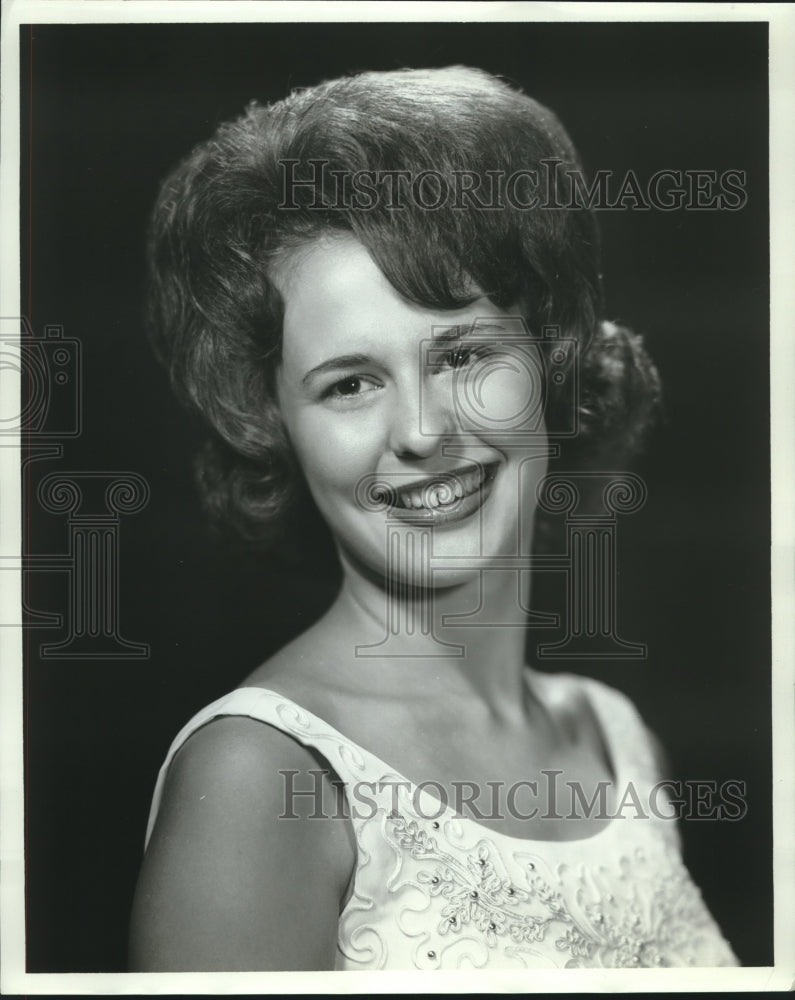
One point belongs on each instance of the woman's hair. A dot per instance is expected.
(433, 171)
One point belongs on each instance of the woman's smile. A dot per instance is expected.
(443, 498)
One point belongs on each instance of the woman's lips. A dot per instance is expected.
(444, 498)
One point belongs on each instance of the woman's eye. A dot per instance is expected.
(350, 388)
(461, 357)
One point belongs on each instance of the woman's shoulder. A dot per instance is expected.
(234, 749)
(233, 759)
(227, 734)
(228, 836)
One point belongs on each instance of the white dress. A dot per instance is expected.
(435, 890)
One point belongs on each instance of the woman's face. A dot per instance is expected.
(442, 408)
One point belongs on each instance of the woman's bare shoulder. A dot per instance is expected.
(237, 758)
(230, 878)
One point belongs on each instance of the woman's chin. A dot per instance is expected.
(413, 568)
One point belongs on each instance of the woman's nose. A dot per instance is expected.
(420, 420)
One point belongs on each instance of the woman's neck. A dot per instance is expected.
(442, 642)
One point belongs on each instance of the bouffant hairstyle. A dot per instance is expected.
(227, 212)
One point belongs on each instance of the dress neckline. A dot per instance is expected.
(432, 806)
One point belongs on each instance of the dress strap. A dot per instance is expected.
(626, 735)
(351, 762)
(635, 756)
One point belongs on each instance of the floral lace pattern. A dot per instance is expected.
(474, 891)
(658, 920)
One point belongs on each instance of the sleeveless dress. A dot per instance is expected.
(435, 890)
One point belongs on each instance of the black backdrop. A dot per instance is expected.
(106, 110)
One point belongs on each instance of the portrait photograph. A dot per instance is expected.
(395, 478)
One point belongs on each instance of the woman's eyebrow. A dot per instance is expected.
(462, 330)
(333, 364)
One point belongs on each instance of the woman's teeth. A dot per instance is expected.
(442, 494)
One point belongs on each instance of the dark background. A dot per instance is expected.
(106, 112)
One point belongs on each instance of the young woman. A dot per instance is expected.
(383, 295)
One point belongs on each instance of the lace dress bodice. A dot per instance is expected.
(437, 890)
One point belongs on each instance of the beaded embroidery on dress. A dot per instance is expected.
(448, 893)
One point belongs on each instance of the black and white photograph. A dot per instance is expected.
(393, 495)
